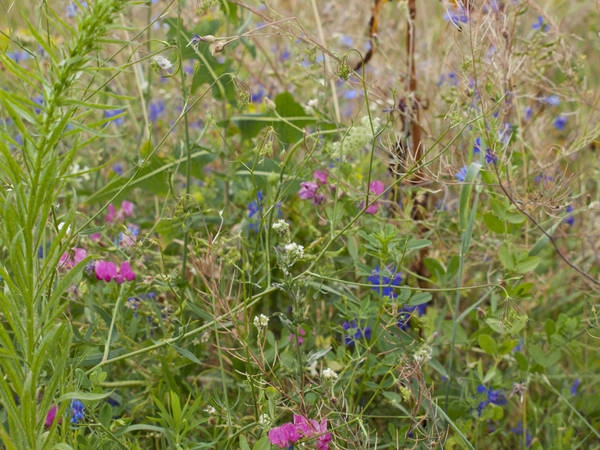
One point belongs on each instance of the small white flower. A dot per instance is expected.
(281, 227)
(162, 62)
(61, 225)
(264, 419)
(261, 321)
(210, 409)
(294, 251)
(329, 374)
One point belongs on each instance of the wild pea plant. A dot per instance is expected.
(216, 234)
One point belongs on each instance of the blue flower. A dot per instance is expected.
(560, 122)
(518, 430)
(490, 158)
(18, 55)
(574, 386)
(461, 175)
(406, 312)
(77, 411)
(569, 220)
(354, 332)
(552, 100)
(258, 95)
(384, 284)
(477, 146)
(495, 397)
(109, 114)
(540, 25)
(155, 110)
(528, 113)
(254, 209)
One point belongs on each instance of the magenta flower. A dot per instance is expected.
(50, 416)
(287, 434)
(284, 436)
(68, 261)
(376, 188)
(308, 190)
(125, 273)
(111, 214)
(320, 176)
(125, 211)
(105, 270)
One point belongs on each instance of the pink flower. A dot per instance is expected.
(288, 433)
(50, 416)
(376, 188)
(125, 273)
(105, 270)
(300, 339)
(125, 211)
(111, 214)
(320, 176)
(283, 436)
(308, 190)
(68, 261)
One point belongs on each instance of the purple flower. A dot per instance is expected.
(105, 270)
(456, 15)
(495, 397)
(490, 158)
(287, 434)
(155, 110)
(461, 175)
(257, 95)
(354, 332)
(560, 122)
(255, 209)
(406, 312)
(528, 113)
(77, 411)
(308, 189)
(50, 416)
(575, 386)
(477, 146)
(569, 220)
(125, 273)
(376, 188)
(552, 100)
(518, 430)
(384, 284)
(540, 25)
(68, 261)
(109, 114)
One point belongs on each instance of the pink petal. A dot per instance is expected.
(320, 176)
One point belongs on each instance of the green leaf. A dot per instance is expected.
(506, 257)
(291, 129)
(527, 264)
(186, 354)
(418, 298)
(84, 396)
(488, 344)
(243, 443)
(493, 223)
(464, 204)
(262, 444)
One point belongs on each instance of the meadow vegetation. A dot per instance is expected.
(222, 227)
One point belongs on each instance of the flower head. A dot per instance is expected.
(384, 281)
(354, 332)
(560, 122)
(287, 434)
(406, 312)
(461, 175)
(540, 24)
(77, 411)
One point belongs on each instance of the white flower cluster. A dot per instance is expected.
(329, 374)
(162, 62)
(281, 227)
(261, 321)
(293, 251)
